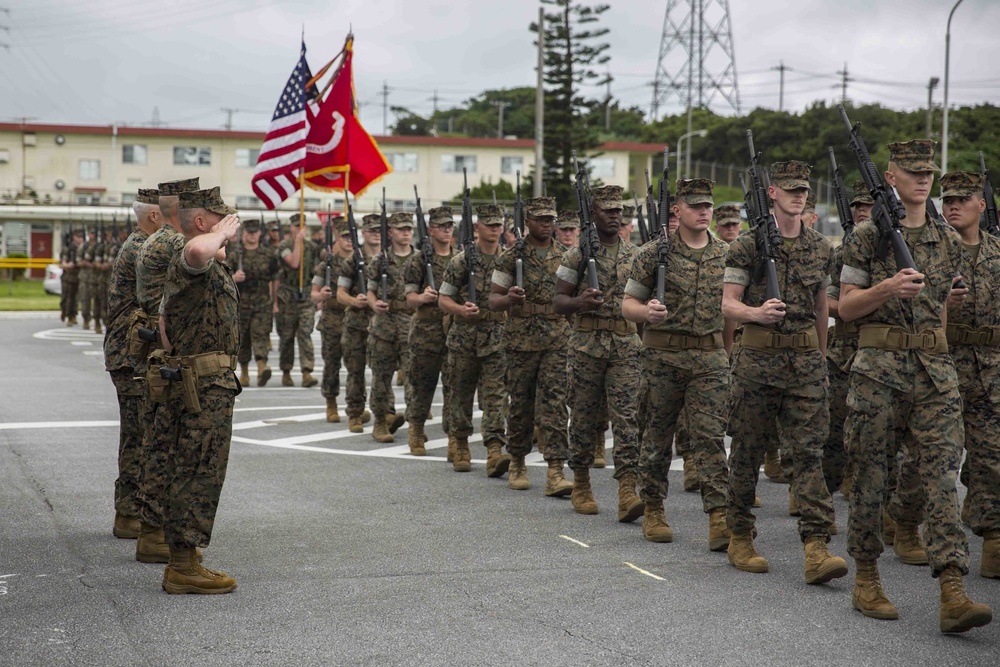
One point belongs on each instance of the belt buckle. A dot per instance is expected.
(905, 340)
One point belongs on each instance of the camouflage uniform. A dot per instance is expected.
(536, 348)
(387, 333)
(905, 395)
(88, 280)
(779, 373)
(70, 281)
(331, 323)
(427, 336)
(109, 250)
(354, 341)
(260, 267)
(685, 368)
(296, 319)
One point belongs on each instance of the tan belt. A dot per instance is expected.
(490, 316)
(842, 329)
(664, 340)
(886, 337)
(760, 338)
(430, 313)
(204, 365)
(397, 305)
(616, 325)
(960, 334)
(529, 309)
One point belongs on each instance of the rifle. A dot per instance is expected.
(663, 243)
(469, 238)
(991, 223)
(888, 210)
(589, 243)
(426, 248)
(650, 201)
(518, 233)
(100, 247)
(503, 220)
(840, 196)
(383, 258)
(359, 257)
(767, 236)
(239, 250)
(328, 242)
(643, 229)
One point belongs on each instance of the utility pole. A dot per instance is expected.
(5, 28)
(385, 107)
(500, 105)
(843, 84)
(540, 106)
(434, 98)
(931, 85)
(229, 117)
(23, 121)
(781, 87)
(155, 122)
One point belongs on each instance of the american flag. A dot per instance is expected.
(276, 176)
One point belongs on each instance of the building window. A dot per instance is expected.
(511, 165)
(247, 157)
(602, 167)
(402, 205)
(453, 164)
(90, 170)
(133, 154)
(128, 198)
(403, 162)
(248, 202)
(88, 198)
(192, 155)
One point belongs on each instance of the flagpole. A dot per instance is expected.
(302, 223)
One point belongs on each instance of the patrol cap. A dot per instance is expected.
(791, 175)
(539, 207)
(568, 220)
(441, 215)
(607, 197)
(727, 214)
(693, 191)
(962, 184)
(210, 200)
(340, 226)
(915, 156)
(371, 222)
(488, 214)
(508, 223)
(251, 225)
(273, 226)
(810, 202)
(174, 188)
(148, 196)
(861, 194)
(628, 212)
(401, 220)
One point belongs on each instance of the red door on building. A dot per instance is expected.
(41, 247)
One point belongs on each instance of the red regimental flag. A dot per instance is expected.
(337, 143)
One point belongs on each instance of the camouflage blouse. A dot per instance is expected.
(151, 268)
(481, 338)
(534, 333)
(122, 302)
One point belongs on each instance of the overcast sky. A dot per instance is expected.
(104, 61)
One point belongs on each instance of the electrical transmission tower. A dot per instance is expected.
(697, 62)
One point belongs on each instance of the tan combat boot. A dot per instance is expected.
(908, 545)
(718, 531)
(497, 462)
(630, 506)
(888, 528)
(820, 566)
(691, 483)
(582, 497)
(600, 461)
(654, 523)
(868, 596)
(416, 439)
(772, 467)
(244, 375)
(958, 612)
(184, 574)
(743, 555)
(380, 432)
(463, 457)
(97, 327)
(125, 527)
(395, 421)
(556, 484)
(452, 444)
(308, 380)
(151, 546)
(366, 417)
(793, 502)
(354, 425)
(518, 478)
(989, 566)
(263, 373)
(332, 414)
(286, 379)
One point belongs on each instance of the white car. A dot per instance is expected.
(53, 279)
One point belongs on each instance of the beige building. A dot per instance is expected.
(54, 175)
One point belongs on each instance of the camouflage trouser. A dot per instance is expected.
(354, 345)
(295, 323)
(255, 329)
(802, 419)
(982, 441)
(834, 453)
(591, 382)
(428, 362)
(152, 458)
(86, 295)
(330, 332)
(131, 401)
(70, 288)
(929, 423)
(682, 437)
(672, 392)
(384, 357)
(536, 383)
(101, 299)
(468, 374)
(196, 457)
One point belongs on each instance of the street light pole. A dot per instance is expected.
(944, 121)
(687, 135)
(930, 104)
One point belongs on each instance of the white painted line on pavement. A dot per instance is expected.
(280, 407)
(315, 416)
(570, 539)
(14, 426)
(81, 343)
(93, 353)
(642, 571)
